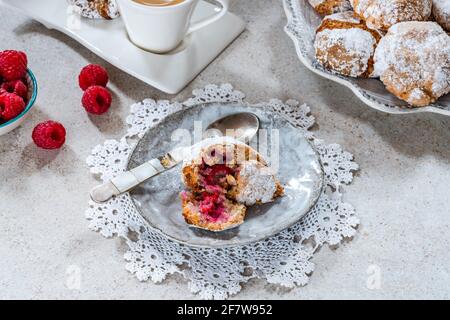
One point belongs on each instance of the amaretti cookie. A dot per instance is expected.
(327, 7)
(382, 14)
(441, 13)
(255, 184)
(96, 9)
(413, 61)
(224, 176)
(346, 45)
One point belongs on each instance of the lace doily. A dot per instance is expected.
(284, 259)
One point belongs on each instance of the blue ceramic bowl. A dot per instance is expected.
(32, 95)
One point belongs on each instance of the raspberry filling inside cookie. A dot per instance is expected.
(222, 177)
(216, 182)
(212, 206)
(216, 175)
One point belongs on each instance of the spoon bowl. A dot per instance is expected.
(242, 126)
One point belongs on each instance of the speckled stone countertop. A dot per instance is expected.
(401, 193)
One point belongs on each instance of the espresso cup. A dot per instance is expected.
(161, 29)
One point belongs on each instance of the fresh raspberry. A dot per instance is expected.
(93, 75)
(49, 135)
(17, 87)
(96, 100)
(11, 105)
(13, 64)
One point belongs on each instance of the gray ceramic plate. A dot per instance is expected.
(300, 172)
(302, 24)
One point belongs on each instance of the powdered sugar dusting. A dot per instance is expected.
(441, 12)
(256, 183)
(347, 16)
(338, 5)
(346, 51)
(195, 152)
(89, 8)
(416, 94)
(414, 60)
(381, 14)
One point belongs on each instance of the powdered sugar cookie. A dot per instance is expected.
(382, 14)
(441, 13)
(327, 7)
(413, 61)
(96, 9)
(345, 44)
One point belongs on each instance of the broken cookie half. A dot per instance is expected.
(224, 176)
(96, 9)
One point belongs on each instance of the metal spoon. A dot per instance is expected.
(241, 126)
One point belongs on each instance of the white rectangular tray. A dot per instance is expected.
(108, 39)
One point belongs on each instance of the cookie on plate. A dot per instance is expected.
(346, 45)
(211, 211)
(382, 14)
(327, 7)
(255, 184)
(96, 9)
(441, 13)
(224, 176)
(413, 61)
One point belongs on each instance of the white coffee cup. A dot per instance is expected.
(162, 28)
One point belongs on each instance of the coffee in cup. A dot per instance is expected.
(159, 3)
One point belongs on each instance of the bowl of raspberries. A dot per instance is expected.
(18, 89)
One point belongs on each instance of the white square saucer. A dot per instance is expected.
(169, 72)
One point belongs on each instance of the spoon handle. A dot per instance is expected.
(128, 180)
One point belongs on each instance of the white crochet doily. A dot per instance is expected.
(284, 259)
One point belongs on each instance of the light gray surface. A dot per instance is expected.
(400, 194)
